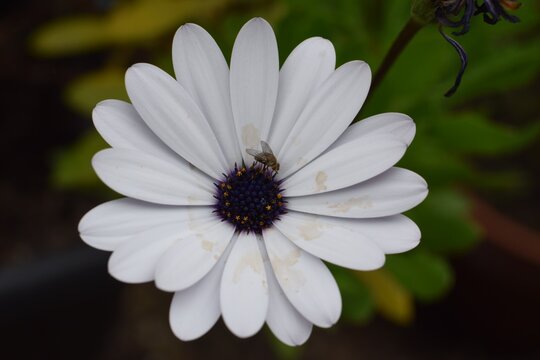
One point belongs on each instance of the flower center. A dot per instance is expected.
(250, 198)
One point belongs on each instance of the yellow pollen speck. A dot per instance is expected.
(237, 217)
(268, 207)
(227, 204)
(261, 223)
(228, 214)
(280, 203)
(222, 184)
(229, 187)
(279, 196)
(239, 173)
(225, 194)
(246, 218)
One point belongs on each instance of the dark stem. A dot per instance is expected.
(405, 36)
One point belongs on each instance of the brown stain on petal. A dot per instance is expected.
(320, 181)
(290, 278)
(301, 162)
(207, 245)
(310, 230)
(251, 261)
(363, 202)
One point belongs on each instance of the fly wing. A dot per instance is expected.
(254, 152)
(266, 148)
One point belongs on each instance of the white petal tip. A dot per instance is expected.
(293, 341)
(102, 104)
(185, 332)
(256, 24)
(413, 245)
(165, 287)
(242, 331)
(136, 69)
(185, 337)
(187, 29)
(258, 20)
(86, 239)
(82, 227)
(125, 277)
(364, 66)
(375, 264)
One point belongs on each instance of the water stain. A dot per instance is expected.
(310, 230)
(320, 181)
(301, 162)
(251, 261)
(290, 278)
(207, 245)
(363, 202)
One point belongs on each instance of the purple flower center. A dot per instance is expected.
(250, 198)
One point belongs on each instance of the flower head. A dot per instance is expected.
(459, 13)
(244, 237)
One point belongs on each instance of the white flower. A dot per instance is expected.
(244, 242)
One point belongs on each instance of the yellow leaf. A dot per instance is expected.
(391, 299)
(86, 91)
(69, 36)
(147, 20)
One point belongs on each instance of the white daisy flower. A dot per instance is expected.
(227, 234)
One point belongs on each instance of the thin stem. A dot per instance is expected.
(405, 36)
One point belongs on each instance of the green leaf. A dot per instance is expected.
(84, 93)
(426, 276)
(72, 167)
(499, 68)
(135, 22)
(358, 306)
(472, 133)
(445, 222)
(434, 162)
(392, 299)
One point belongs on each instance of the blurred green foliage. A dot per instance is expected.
(131, 23)
(450, 132)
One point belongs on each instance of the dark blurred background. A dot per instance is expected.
(471, 290)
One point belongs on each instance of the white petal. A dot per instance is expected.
(121, 126)
(392, 192)
(306, 281)
(326, 116)
(195, 310)
(254, 82)
(346, 165)
(287, 324)
(328, 239)
(135, 260)
(244, 288)
(187, 261)
(108, 225)
(174, 117)
(399, 125)
(148, 178)
(392, 234)
(308, 65)
(201, 68)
